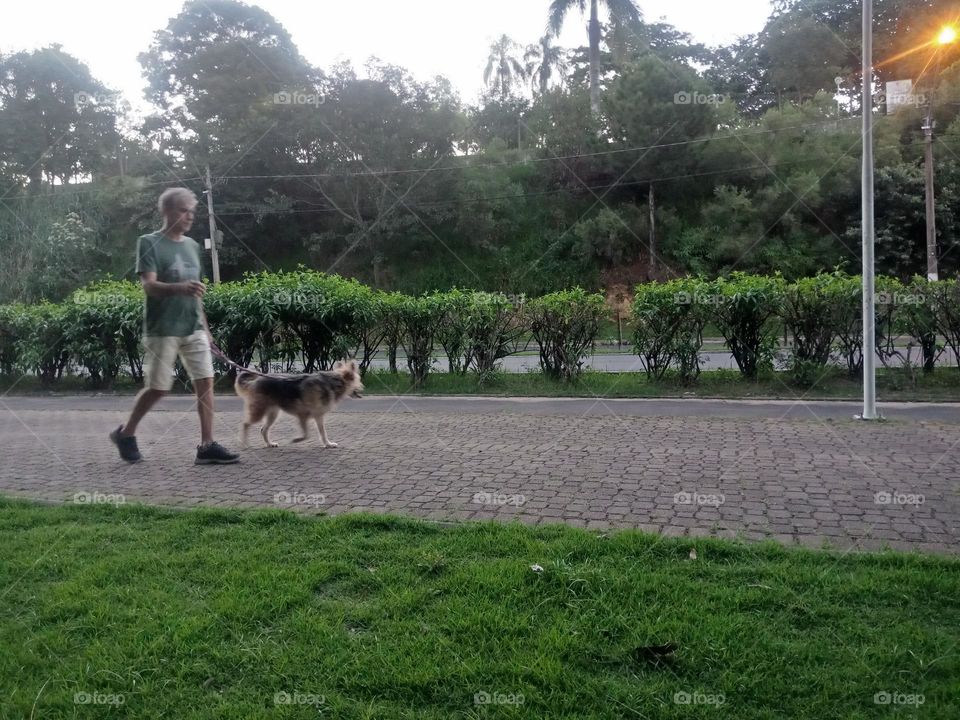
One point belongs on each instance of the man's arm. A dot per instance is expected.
(155, 288)
(203, 317)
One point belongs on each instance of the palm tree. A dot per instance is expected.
(622, 13)
(542, 59)
(503, 67)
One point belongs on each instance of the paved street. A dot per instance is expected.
(795, 473)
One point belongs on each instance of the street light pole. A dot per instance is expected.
(933, 273)
(214, 256)
(869, 347)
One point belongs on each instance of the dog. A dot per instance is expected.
(303, 396)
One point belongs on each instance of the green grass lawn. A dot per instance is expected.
(944, 385)
(215, 614)
(941, 386)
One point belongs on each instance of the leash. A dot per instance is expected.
(223, 356)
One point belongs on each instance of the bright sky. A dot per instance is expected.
(428, 37)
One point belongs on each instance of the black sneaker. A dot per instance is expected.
(126, 445)
(215, 454)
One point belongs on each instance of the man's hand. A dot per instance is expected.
(194, 288)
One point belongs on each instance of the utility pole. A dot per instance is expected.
(866, 222)
(214, 259)
(932, 269)
(653, 234)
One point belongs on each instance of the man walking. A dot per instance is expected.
(174, 323)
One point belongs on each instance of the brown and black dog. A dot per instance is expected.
(304, 396)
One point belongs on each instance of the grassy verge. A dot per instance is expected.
(941, 386)
(149, 613)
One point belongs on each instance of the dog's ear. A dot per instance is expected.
(354, 366)
(338, 364)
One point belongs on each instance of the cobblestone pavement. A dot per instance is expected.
(706, 470)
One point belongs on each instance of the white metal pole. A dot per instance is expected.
(869, 348)
(214, 256)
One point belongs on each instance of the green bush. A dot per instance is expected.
(847, 300)
(669, 322)
(420, 319)
(812, 313)
(745, 308)
(371, 325)
(496, 328)
(456, 309)
(565, 324)
(235, 320)
(103, 328)
(944, 297)
(42, 345)
(392, 320)
(918, 319)
(9, 334)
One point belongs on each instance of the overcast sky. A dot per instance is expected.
(428, 37)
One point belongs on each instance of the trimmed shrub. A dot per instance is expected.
(669, 322)
(42, 344)
(565, 324)
(420, 319)
(103, 330)
(745, 308)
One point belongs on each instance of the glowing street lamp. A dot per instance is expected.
(947, 36)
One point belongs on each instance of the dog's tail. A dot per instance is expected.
(244, 381)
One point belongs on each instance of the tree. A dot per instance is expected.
(367, 154)
(504, 67)
(543, 60)
(656, 102)
(622, 13)
(223, 74)
(56, 120)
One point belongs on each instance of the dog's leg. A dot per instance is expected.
(303, 428)
(323, 432)
(252, 414)
(265, 430)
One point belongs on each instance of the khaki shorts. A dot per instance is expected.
(162, 351)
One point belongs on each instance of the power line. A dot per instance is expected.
(680, 143)
(467, 201)
(85, 191)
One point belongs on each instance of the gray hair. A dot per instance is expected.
(169, 198)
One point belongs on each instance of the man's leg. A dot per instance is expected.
(146, 399)
(204, 390)
(195, 354)
(159, 353)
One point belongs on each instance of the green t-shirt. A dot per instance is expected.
(173, 262)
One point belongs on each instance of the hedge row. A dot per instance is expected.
(309, 320)
(820, 316)
(306, 320)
